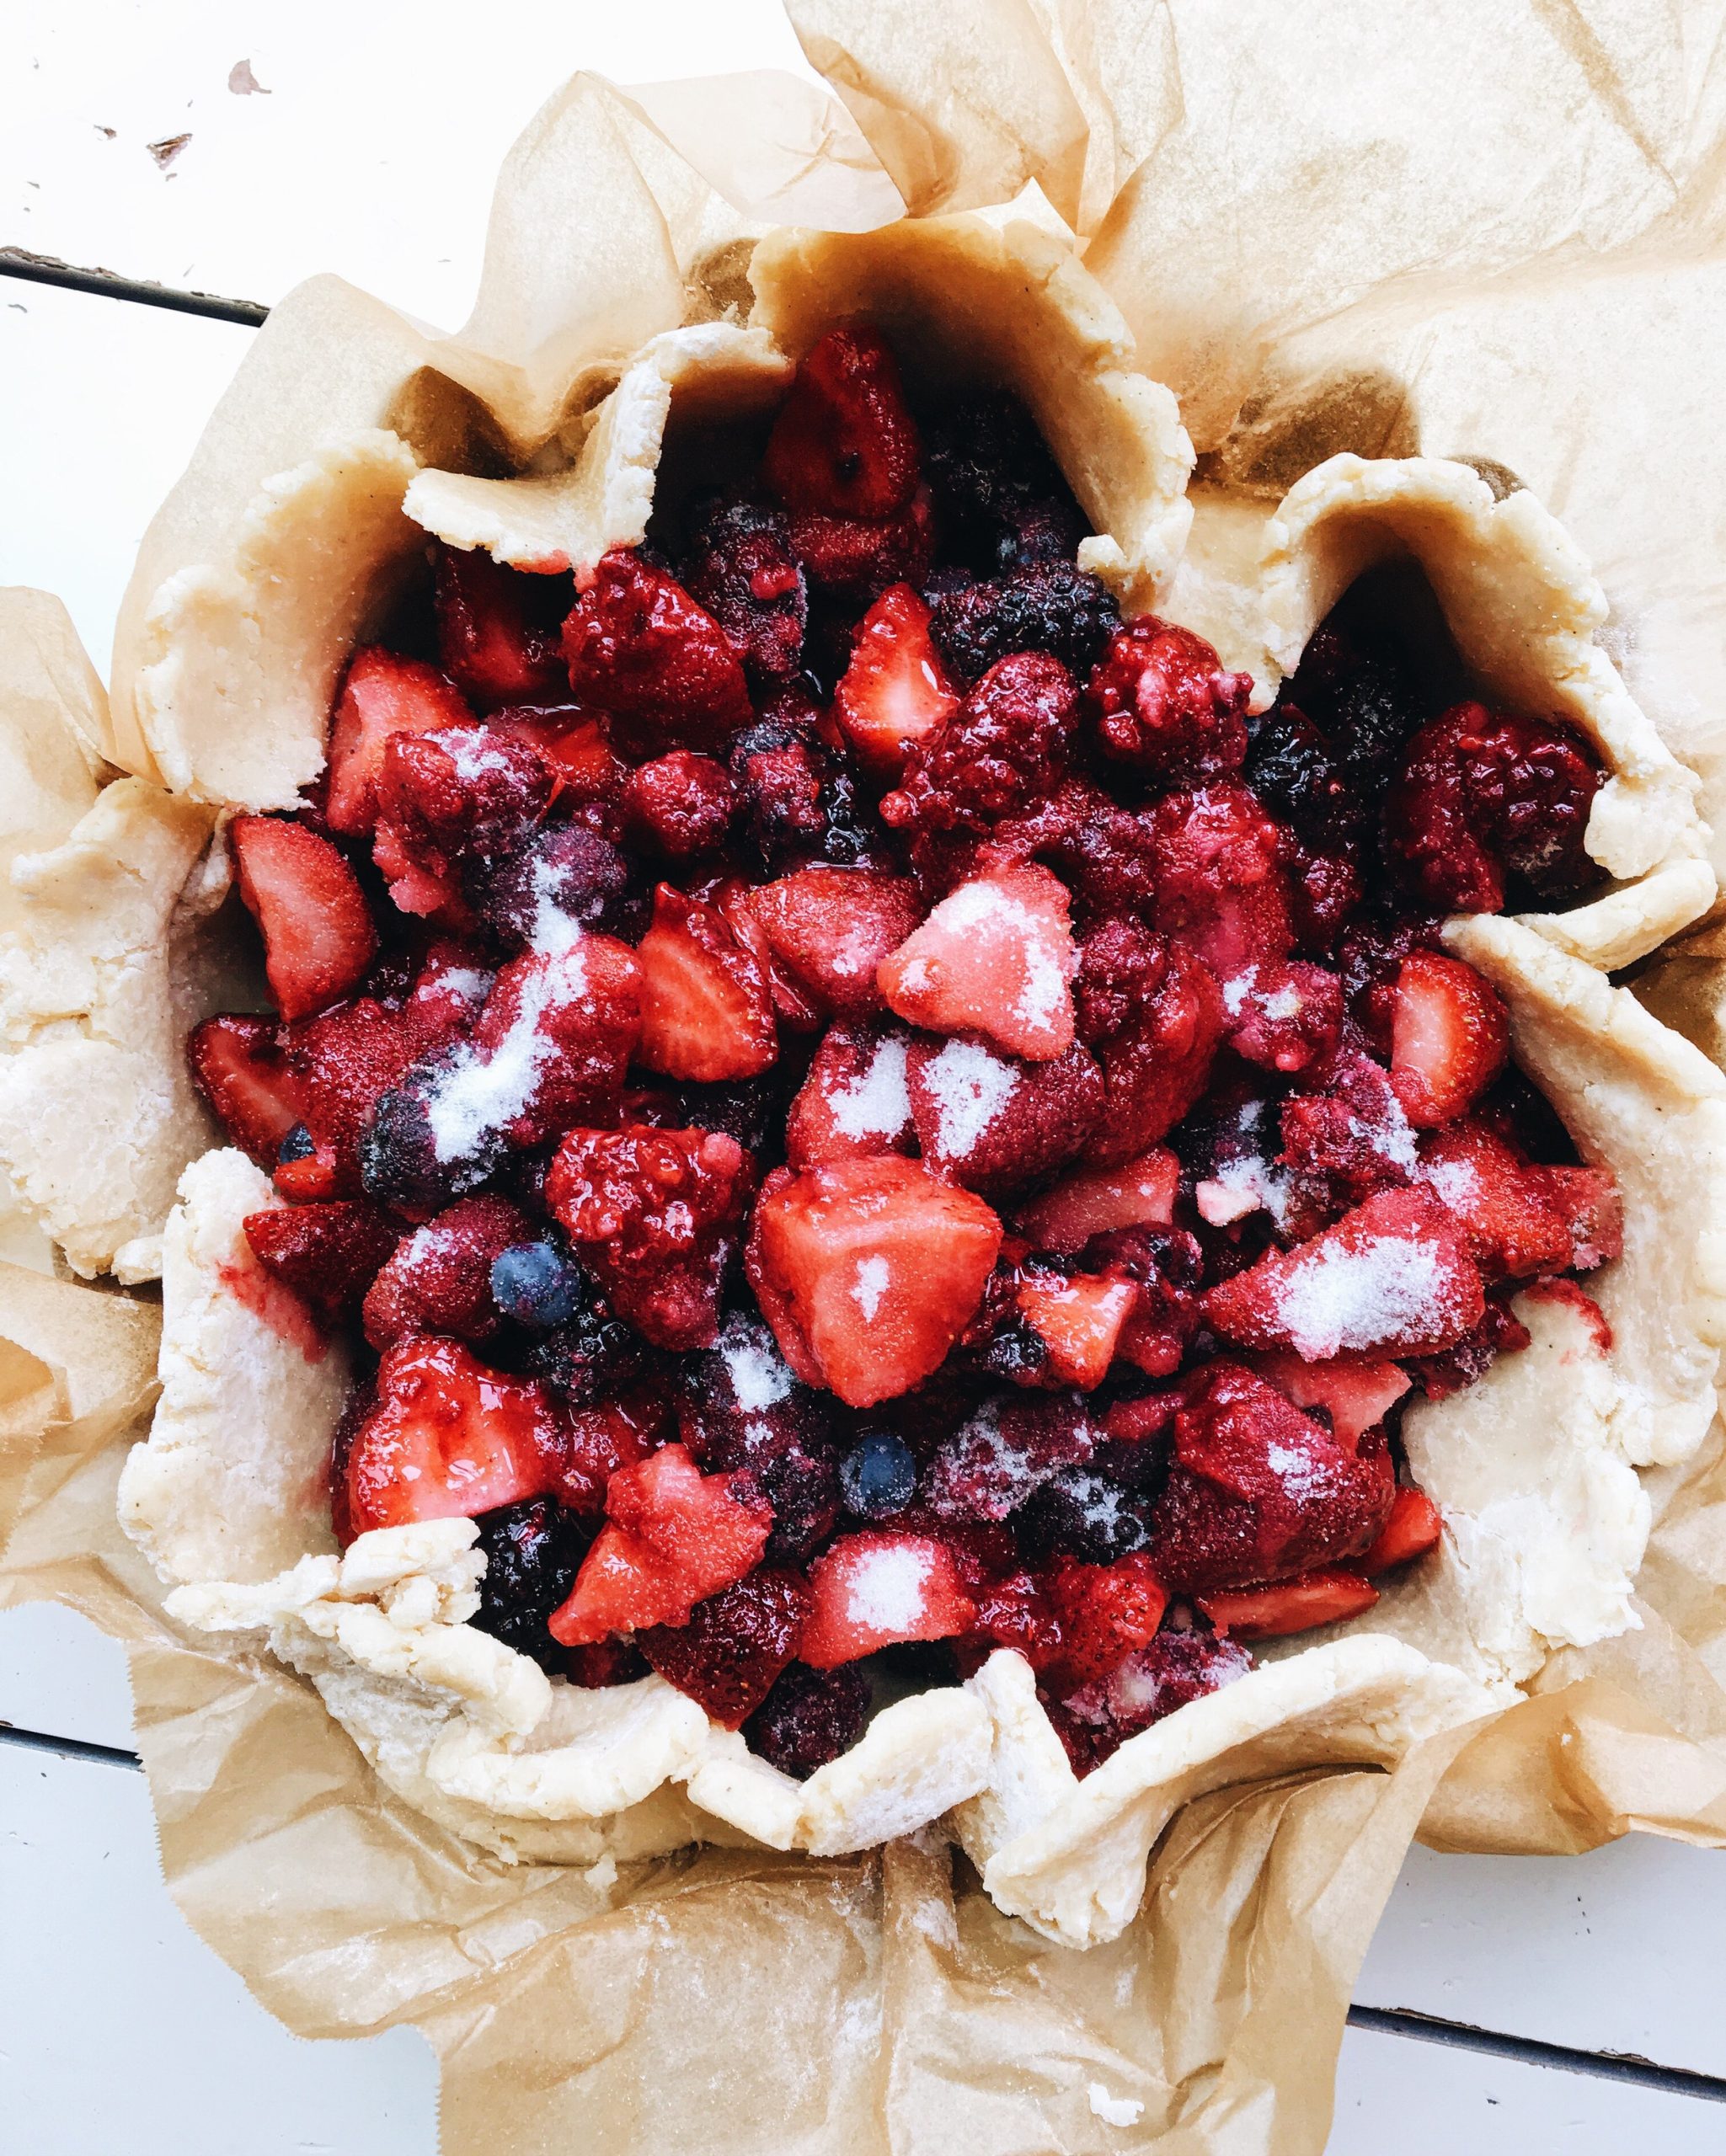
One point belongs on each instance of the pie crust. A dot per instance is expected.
(228, 659)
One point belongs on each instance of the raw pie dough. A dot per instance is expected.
(233, 660)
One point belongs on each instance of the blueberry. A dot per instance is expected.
(877, 1475)
(533, 1284)
(299, 1144)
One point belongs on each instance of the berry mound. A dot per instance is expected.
(859, 1108)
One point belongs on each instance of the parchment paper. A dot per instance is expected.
(1492, 231)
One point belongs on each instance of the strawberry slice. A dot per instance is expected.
(382, 696)
(867, 1272)
(317, 934)
(1414, 1528)
(1079, 1321)
(873, 1589)
(993, 1122)
(844, 443)
(895, 691)
(735, 899)
(497, 629)
(328, 1254)
(830, 928)
(1392, 1277)
(707, 1012)
(1449, 1038)
(996, 957)
(1326, 1597)
(675, 1536)
(1096, 1201)
(641, 650)
(572, 745)
(449, 1439)
(1505, 1207)
(1354, 1394)
(854, 1103)
(240, 1071)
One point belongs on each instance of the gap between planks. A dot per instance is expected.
(1392, 2021)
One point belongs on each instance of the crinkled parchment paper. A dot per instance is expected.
(1491, 231)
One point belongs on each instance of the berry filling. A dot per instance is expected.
(858, 1108)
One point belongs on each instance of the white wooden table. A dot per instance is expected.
(1507, 2005)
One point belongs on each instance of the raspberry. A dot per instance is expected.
(1001, 495)
(991, 1123)
(1166, 1265)
(465, 796)
(809, 1717)
(533, 1551)
(1106, 854)
(682, 804)
(1163, 703)
(439, 1279)
(1430, 837)
(659, 666)
(730, 1655)
(1530, 787)
(1152, 1015)
(563, 873)
(1219, 879)
(1285, 1017)
(1004, 749)
(1350, 1139)
(656, 1215)
(1176, 1666)
(740, 568)
(994, 1462)
(1049, 607)
(800, 802)
(852, 560)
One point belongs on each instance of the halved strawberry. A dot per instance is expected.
(871, 1590)
(867, 1272)
(895, 691)
(675, 1536)
(727, 1657)
(571, 743)
(1326, 1597)
(448, 1439)
(1504, 1207)
(661, 669)
(382, 696)
(996, 957)
(240, 1071)
(1414, 1528)
(1391, 1277)
(317, 934)
(832, 927)
(706, 1011)
(1450, 1037)
(1079, 1321)
(497, 629)
(735, 899)
(1095, 1201)
(328, 1254)
(844, 442)
(854, 1103)
(1356, 1393)
(993, 1122)
(1103, 1613)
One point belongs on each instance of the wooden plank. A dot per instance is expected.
(101, 403)
(124, 2030)
(1598, 1952)
(370, 149)
(1400, 2096)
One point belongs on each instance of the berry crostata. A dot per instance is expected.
(878, 1188)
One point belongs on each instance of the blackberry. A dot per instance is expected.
(809, 1717)
(1298, 774)
(1365, 703)
(877, 1475)
(799, 800)
(1047, 607)
(398, 1156)
(533, 1551)
(742, 1408)
(590, 1353)
(1003, 498)
(565, 868)
(740, 567)
(1085, 1515)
